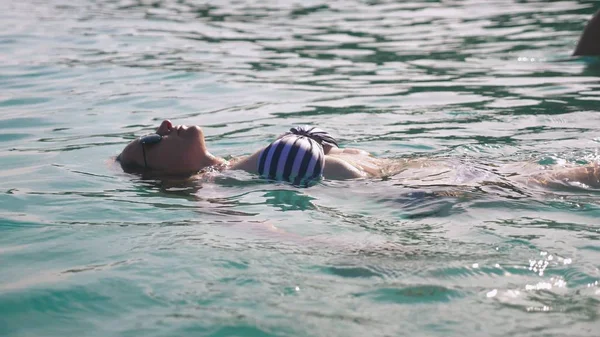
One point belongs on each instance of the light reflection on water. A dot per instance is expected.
(482, 85)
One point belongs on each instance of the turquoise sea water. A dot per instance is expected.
(86, 250)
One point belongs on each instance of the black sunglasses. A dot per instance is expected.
(149, 139)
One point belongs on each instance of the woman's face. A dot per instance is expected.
(181, 151)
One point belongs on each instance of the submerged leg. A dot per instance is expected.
(588, 175)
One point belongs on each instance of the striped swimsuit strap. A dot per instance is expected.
(295, 158)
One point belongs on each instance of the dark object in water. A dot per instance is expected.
(589, 42)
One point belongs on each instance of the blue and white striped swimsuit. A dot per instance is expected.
(297, 157)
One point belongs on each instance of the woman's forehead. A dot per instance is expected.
(132, 152)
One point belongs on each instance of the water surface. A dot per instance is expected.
(88, 250)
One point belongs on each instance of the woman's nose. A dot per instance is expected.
(165, 127)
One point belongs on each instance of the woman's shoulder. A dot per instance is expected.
(351, 151)
(339, 169)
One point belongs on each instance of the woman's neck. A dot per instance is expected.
(210, 161)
